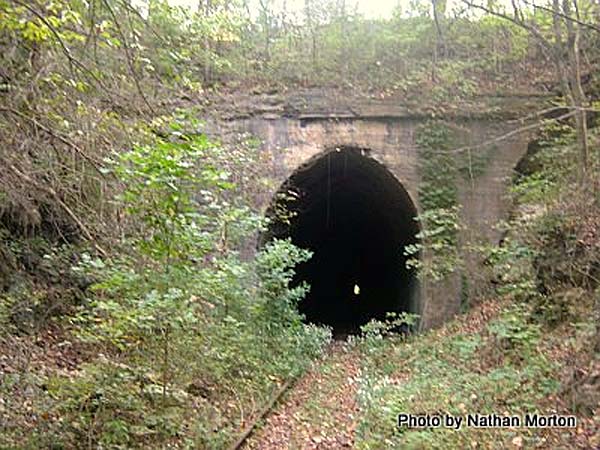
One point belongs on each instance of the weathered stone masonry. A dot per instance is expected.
(388, 133)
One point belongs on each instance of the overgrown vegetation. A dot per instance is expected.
(534, 350)
(436, 255)
(189, 335)
(135, 311)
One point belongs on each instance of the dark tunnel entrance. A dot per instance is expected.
(356, 218)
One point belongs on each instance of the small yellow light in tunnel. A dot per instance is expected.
(356, 289)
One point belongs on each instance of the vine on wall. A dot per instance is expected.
(473, 163)
(437, 166)
(438, 195)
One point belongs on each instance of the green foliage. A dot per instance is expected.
(275, 268)
(113, 405)
(161, 181)
(437, 165)
(534, 188)
(143, 296)
(57, 23)
(452, 82)
(515, 331)
(180, 316)
(513, 362)
(528, 270)
(184, 338)
(376, 329)
(187, 44)
(373, 342)
(329, 44)
(547, 167)
(542, 261)
(435, 255)
(457, 373)
(511, 264)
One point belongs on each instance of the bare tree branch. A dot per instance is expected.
(96, 164)
(516, 21)
(129, 57)
(563, 16)
(508, 135)
(48, 190)
(73, 62)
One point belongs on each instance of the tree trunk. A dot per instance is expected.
(204, 7)
(570, 74)
(579, 98)
(439, 7)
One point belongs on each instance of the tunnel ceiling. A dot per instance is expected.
(356, 218)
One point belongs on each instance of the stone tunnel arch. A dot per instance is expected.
(356, 218)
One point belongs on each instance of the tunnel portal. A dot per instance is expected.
(356, 218)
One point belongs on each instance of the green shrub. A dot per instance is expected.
(183, 323)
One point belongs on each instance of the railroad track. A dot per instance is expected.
(333, 352)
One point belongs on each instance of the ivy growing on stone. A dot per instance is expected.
(436, 256)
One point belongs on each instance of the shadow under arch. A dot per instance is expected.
(356, 218)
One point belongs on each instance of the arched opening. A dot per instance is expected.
(356, 218)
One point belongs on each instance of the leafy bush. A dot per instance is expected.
(181, 322)
(515, 331)
(435, 255)
(453, 372)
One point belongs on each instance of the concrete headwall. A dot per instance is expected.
(291, 140)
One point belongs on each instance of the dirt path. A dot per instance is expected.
(320, 411)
